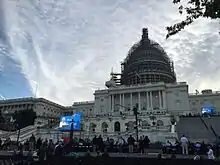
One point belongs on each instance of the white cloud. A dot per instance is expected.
(68, 47)
(1, 66)
(2, 97)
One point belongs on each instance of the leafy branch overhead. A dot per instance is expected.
(194, 9)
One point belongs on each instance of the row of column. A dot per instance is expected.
(149, 98)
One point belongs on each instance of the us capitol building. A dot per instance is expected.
(147, 81)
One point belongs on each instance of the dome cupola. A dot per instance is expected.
(147, 62)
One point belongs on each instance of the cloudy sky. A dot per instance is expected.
(64, 50)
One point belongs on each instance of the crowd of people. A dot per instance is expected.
(185, 147)
(47, 148)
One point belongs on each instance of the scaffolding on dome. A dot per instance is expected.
(153, 44)
(147, 62)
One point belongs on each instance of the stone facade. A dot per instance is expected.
(158, 102)
(205, 98)
(43, 107)
(112, 111)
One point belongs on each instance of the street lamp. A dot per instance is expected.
(71, 130)
(135, 110)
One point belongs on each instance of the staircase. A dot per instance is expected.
(216, 135)
(25, 133)
(204, 123)
(213, 122)
(195, 129)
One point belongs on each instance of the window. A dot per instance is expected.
(104, 127)
(178, 103)
(177, 93)
(202, 102)
(117, 127)
(102, 108)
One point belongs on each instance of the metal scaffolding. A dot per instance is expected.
(147, 62)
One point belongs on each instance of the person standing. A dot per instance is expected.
(131, 141)
(120, 144)
(141, 145)
(95, 143)
(100, 143)
(146, 144)
(210, 153)
(184, 142)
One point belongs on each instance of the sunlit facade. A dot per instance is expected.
(147, 79)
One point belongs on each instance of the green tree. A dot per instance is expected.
(2, 120)
(23, 119)
(194, 9)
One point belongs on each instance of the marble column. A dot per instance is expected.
(151, 101)
(139, 101)
(164, 100)
(131, 103)
(109, 104)
(123, 101)
(148, 102)
(120, 102)
(160, 103)
(113, 102)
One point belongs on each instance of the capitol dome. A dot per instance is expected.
(147, 62)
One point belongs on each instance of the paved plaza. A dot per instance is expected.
(134, 155)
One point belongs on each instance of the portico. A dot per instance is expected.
(147, 100)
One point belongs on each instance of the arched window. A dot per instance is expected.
(145, 123)
(130, 126)
(104, 127)
(117, 127)
(92, 127)
(160, 123)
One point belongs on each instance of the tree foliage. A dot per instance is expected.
(24, 118)
(194, 9)
(2, 120)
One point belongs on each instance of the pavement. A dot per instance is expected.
(131, 155)
(152, 155)
(10, 153)
(139, 155)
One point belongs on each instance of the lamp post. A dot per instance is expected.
(135, 110)
(71, 130)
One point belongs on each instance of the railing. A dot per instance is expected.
(141, 128)
(83, 102)
(149, 84)
(25, 133)
(155, 128)
(213, 92)
(212, 129)
(13, 134)
(130, 113)
(204, 123)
